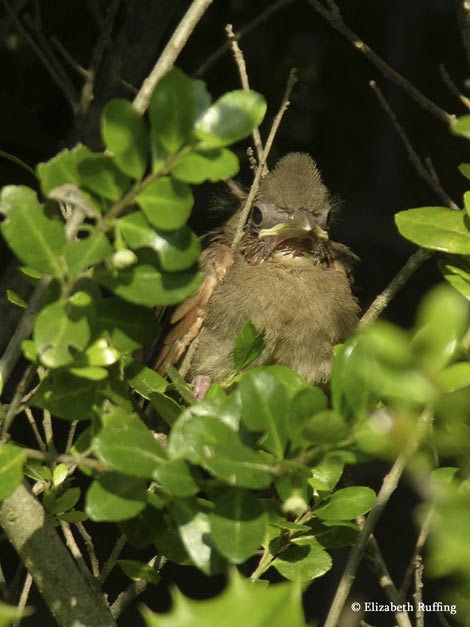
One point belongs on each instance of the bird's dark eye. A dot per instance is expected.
(256, 216)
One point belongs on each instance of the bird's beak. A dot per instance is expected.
(301, 226)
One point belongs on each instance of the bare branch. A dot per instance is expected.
(389, 486)
(430, 177)
(453, 87)
(34, 427)
(259, 19)
(395, 285)
(113, 556)
(133, 591)
(95, 566)
(463, 16)
(169, 55)
(422, 537)
(418, 595)
(334, 18)
(23, 599)
(260, 170)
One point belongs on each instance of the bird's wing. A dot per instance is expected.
(187, 319)
(342, 259)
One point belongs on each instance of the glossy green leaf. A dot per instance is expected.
(99, 174)
(59, 475)
(167, 539)
(146, 284)
(172, 110)
(178, 477)
(231, 118)
(194, 529)
(202, 97)
(11, 468)
(139, 571)
(326, 427)
(307, 402)
(63, 327)
(456, 270)
(438, 228)
(464, 168)
(100, 353)
(334, 535)
(462, 126)
(62, 168)
(249, 343)
(142, 379)
(238, 525)
(94, 373)
(66, 396)
(435, 342)
(303, 563)
(166, 407)
(66, 501)
(38, 241)
(82, 253)
(241, 603)
(115, 497)
(180, 385)
(177, 250)
(347, 503)
(73, 517)
(455, 377)
(329, 470)
(128, 326)
(212, 165)
(125, 135)
(167, 203)
(15, 299)
(218, 449)
(126, 444)
(265, 408)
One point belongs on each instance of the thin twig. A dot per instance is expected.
(34, 427)
(74, 549)
(418, 595)
(423, 172)
(15, 405)
(169, 55)
(235, 189)
(113, 556)
(422, 536)
(259, 19)
(379, 568)
(395, 285)
(136, 588)
(23, 599)
(4, 591)
(463, 16)
(48, 431)
(241, 65)
(452, 86)
(79, 460)
(71, 435)
(272, 133)
(334, 18)
(95, 565)
(79, 69)
(389, 485)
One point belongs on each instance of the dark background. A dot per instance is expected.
(334, 116)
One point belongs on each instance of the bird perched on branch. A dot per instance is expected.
(285, 277)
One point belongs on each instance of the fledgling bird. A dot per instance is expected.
(286, 278)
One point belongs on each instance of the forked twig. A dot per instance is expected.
(259, 172)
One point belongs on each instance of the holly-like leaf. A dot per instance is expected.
(167, 203)
(38, 241)
(125, 134)
(62, 168)
(438, 228)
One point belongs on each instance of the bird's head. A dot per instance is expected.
(290, 215)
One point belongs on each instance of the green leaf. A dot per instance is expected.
(265, 408)
(115, 497)
(238, 525)
(63, 327)
(462, 126)
(128, 326)
(139, 571)
(456, 270)
(66, 396)
(59, 475)
(146, 284)
(249, 343)
(194, 529)
(455, 377)
(172, 110)
(126, 444)
(177, 477)
(326, 427)
(166, 203)
(212, 165)
(242, 603)
(10, 615)
(100, 353)
(11, 468)
(231, 118)
(15, 299)
(125, 135)
(438, 228)
(464, 168)
(64, 502)
(73, 517)
(307, 402)
(99, 174)
(434, 342)
(86, 252)
(61, 169)
(36, 240)
(347, 503)
(329, 470)
(166, 407)
(144, 380)
(177, 250)
(207, 441)
(333, 535)
(303, 563)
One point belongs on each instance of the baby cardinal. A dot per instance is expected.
(286, 277)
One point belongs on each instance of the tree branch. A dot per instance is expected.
(69, 597)
(170, 53)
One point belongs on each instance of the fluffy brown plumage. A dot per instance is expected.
(287, 278)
